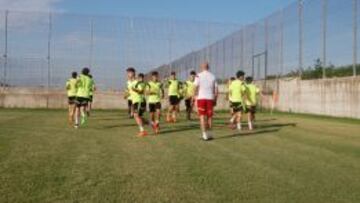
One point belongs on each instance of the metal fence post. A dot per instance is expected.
(49, 59)
(91, 50)
(170, 46)
(301, 35)
(282, 43)
(6, 47)
(266, 35)
(324, 40)
(253, 49)
(242, 48)
(355, 11)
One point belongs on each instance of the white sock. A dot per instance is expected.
(141, 128)
(232, 120)
(238, 126)
(76, 120)
(250, 125)
(204, 135)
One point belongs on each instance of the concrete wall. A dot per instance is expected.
(55, 99)
(338, 97)
(334, 97)
(13, 97)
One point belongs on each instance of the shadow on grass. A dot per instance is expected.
(273, 125)
(183, 128)
(249, 133)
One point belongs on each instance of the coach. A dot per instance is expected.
(206, 94)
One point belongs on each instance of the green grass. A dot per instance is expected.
(289, 158)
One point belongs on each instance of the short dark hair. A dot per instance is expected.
(141, 75)
(155, 73)
(240, 73)
(249, 79)
(192, 73)
(131, 69)
(173, 73)
(85, 71)
(232, 78)
(74, 74)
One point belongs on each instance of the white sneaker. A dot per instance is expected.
(207, 137)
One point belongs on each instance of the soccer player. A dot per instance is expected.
(129, 93)
(174, 86)
(252, 93)
(229, 97)
(155, 92)
(237, 93)
(139, 102)
(71, 93)
(207, 93)
(92, 90)
(82, 96)
(190, 94)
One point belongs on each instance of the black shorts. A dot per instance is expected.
(139, 108)
(251, 109)
(154, 106)
(237, 107)
(71, 100)
(81, 101)
(174, 100)
(189, 103)
(129, 103)
(91, 98)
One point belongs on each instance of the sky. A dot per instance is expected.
(224, 11)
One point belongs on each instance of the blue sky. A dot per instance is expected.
(231, 11)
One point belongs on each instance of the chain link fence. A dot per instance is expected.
(42, 49)
(308, 39)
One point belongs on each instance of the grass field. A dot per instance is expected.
(290, 158)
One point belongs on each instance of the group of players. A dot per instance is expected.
(139, 93)
(242, 96)
(80, 90)
(200, 90)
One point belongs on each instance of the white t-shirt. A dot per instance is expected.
(206, 82)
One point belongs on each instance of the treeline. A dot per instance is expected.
(316, 71)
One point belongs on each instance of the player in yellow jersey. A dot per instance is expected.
(173, 86)
(83, 86)
(252, 94)
(155, 93)
(71, 93)
(229, 97)
(128, 92)
(190, 91)
(139, 103)
(91, 97)
(237, 91)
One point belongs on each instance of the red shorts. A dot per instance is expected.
(205, 107)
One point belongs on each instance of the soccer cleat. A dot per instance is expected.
(76, 126)
(142, 134)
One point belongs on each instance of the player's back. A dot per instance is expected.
(71, 87)
(83, 86)
(206, 82)
(252, 92)
(237, 90)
